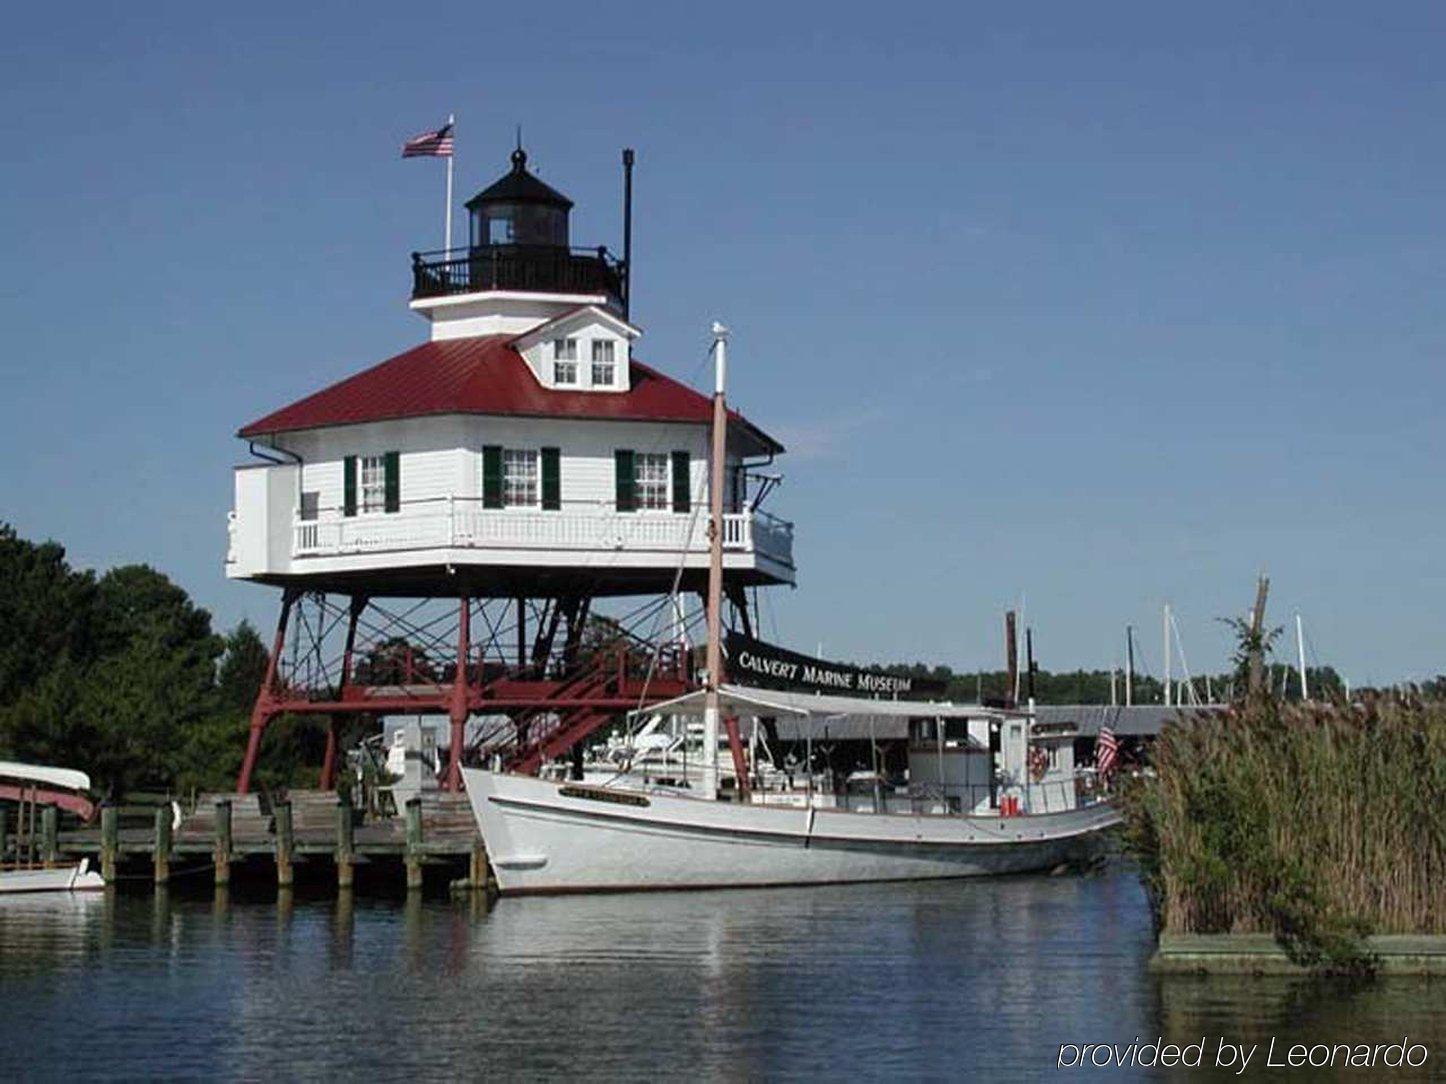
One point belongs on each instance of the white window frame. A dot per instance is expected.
(601, 364)
(564, 361)
(371, 487)
(521, 478)
(653, 494)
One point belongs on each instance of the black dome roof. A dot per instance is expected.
(519, 186)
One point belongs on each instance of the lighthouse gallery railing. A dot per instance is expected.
(463, 522)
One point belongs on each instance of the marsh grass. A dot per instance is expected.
(1317, 823)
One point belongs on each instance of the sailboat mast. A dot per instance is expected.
(1300, 657)
(711, 711)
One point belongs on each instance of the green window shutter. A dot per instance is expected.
(551, 478)
(682, 483)
(392, 480)
(348, 486)
(492, 476)
(627, 500)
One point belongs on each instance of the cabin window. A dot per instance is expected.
(519, 477)
(564, 361)
(604, 364)
(652, 480)
(373, 483)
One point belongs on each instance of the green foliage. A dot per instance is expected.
(119, 676)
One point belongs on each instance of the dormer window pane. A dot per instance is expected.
(564, 361)
(604, 369)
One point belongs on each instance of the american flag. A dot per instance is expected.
(1107, 751)
(436, 144)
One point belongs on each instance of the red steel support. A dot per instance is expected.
(265, 707)
(328, 762)
(458, 708)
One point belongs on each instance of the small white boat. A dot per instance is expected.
(33, 786)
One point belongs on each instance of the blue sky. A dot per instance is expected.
(1100, 306)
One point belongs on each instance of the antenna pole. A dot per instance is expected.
(627, 231)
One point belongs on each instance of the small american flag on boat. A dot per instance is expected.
(436, 144)
(1107, 751)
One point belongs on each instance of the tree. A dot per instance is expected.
(46, 611)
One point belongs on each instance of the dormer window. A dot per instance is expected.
(564, 361)
(604, 364)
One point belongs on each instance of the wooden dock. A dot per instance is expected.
(239, 834)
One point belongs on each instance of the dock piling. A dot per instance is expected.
(345, 845)
(477, 869)
(285, 848)
(414, 844)
(223, 842)
(109, 842)
(49, 835)
(163, 845)
(4, 831)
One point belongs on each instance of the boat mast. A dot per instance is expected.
(715, 563)
(1300, 658)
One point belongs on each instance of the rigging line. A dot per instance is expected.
(671, 596)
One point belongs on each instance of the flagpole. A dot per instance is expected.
(451, 123)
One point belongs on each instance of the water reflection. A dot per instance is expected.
(982, 978)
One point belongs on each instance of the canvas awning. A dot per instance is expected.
(857, 711)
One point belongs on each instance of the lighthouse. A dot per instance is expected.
(507, 520)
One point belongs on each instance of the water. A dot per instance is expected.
(981, 979)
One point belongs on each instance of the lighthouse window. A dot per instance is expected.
(373, 483)
(564, 361)
(603, 365)
(652, 479)
(519, 477)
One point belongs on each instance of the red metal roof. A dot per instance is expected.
(484, 375)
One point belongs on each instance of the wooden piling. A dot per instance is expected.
(49, 836)
(222, 853)
(414, 844)
(345, 845)
(4, 831)
(477, 868)
(163, 845)
(285, 849)
(109, 842)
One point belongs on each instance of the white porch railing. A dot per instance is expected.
(465, 523)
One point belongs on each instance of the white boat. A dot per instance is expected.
(986, 794)
(33, 786)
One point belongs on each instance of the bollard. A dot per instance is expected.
(284, 848)
(345, 845)
(163, 845)
(414, 844)
(222, 856)
(109, 842)
(49, 835)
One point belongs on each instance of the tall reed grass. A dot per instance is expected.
(1316, 823)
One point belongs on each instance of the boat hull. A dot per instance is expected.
(77, 878)
(547, 837)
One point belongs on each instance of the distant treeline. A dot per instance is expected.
(122, 676)
(1093, 686)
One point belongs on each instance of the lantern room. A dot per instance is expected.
(518, 209)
